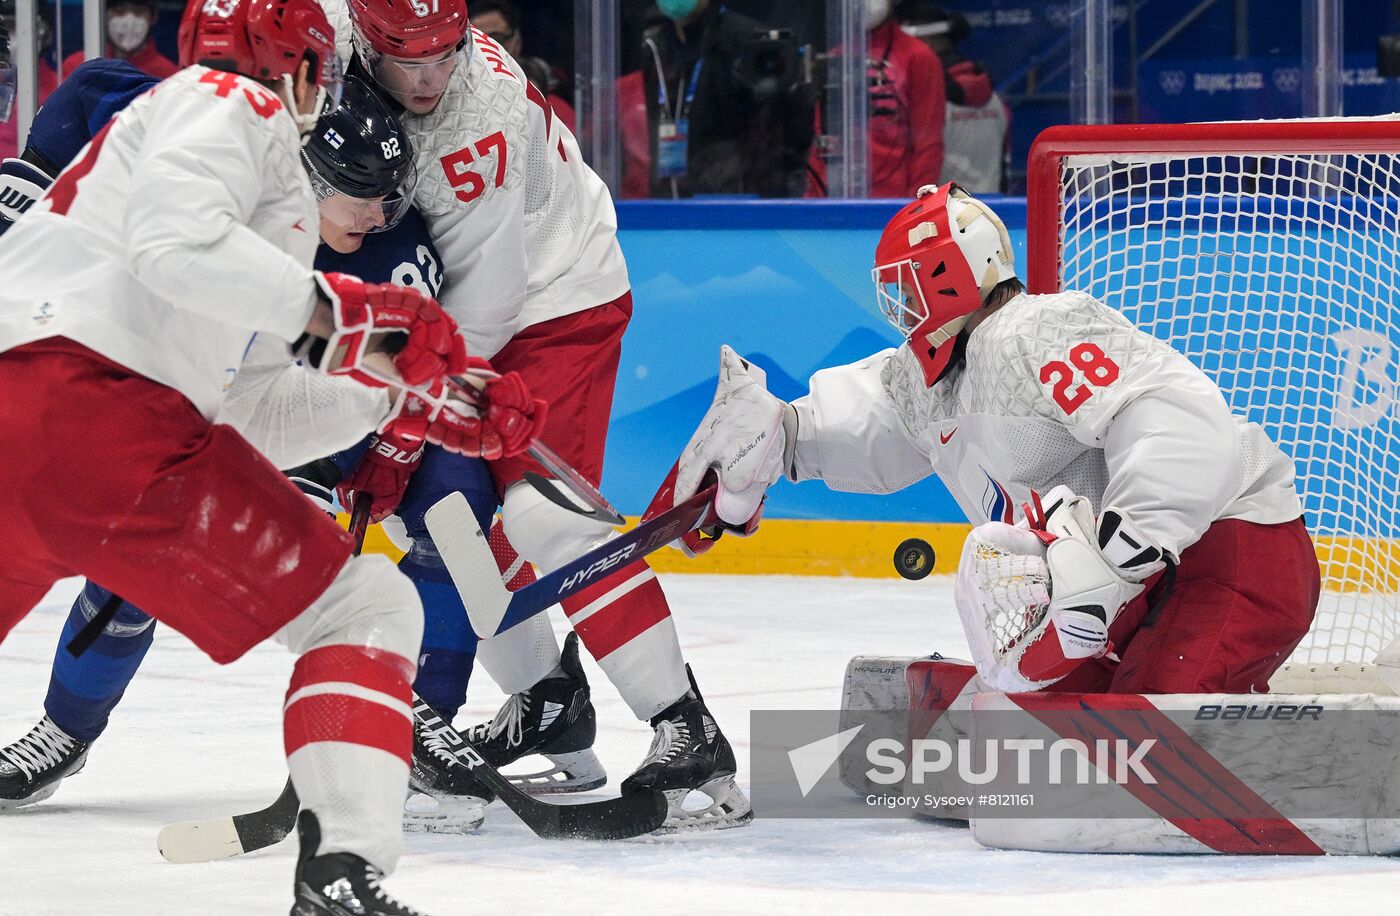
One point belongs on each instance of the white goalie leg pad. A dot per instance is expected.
(1227, 774)
(348, 718)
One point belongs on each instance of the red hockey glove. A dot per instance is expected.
(502, 422)
(432, 348)
(383, 473)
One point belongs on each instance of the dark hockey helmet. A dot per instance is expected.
(361, 152)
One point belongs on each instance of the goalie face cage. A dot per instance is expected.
(1267, 254)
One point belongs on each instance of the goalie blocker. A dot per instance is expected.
(1208, 773)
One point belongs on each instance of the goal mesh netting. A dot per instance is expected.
(1267, 253)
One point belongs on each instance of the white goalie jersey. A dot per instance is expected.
(526, 230)
(1055, 390)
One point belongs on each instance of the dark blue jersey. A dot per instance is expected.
(80, 107)
(404, 255)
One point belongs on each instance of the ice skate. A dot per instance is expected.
(444, 796)
(338, 883)
(689, 754)
(553, 719)
(32, 768)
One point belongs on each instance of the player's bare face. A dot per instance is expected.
(345, 221)
(416, 84)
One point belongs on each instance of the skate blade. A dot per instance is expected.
(579, 771)
(10, 804)
(450, 814)
(728, 807)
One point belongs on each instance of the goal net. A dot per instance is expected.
(1267, 253)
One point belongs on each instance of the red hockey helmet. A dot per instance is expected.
(409, 29)
(263, 39)
(935, 264)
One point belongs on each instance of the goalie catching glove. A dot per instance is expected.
(362, 311)
(746, 439)
(1036, 603)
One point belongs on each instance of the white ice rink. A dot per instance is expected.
(192, 740)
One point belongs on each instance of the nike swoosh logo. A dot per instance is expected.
(945, 439)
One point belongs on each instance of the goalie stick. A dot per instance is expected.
(492, 608)
(628, 816)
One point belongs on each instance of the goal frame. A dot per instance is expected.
(1054, 144)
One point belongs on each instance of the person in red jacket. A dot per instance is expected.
(129, 25)
(906, 110)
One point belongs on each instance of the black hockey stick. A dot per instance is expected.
(493, 609)
(631, 815)
(225, 837)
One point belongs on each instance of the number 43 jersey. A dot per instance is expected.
(1053, 389)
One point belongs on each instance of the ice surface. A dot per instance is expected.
(192, 740)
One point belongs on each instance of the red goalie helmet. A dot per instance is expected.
(935, 264)
(263, 39)
(409, 29)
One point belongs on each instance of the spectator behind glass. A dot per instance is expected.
(728, 114)
(501, 20)
(48, 77)
(976, 131)
(906, 108)
(129, 25)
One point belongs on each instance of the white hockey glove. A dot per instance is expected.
(1034, 612)
(21, 183)
(742, 438)
(745, 439)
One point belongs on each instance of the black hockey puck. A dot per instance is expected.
(913, 558)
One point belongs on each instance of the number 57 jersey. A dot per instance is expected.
(526, 230)
(1054, 389)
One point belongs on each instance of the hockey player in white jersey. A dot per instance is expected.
(1174, 558)
(536, 279)
(183, 232)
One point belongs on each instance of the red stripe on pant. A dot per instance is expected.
(615, 625)
(339, 717)
(375, 669)
(1195, 792)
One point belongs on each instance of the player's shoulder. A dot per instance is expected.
(1031, 329)
(230, 97)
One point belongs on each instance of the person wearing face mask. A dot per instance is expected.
(129, 24)
(718, 120)
(906, 110)
(48, 76)
(978, 126)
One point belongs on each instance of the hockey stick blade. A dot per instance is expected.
(627, 816)
(226, 837)
(595, 504)
(551, 490)
(493, 609)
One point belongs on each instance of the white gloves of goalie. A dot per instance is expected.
(1034, 611)
(746, 437)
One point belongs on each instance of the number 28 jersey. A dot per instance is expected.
(1054, 389)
